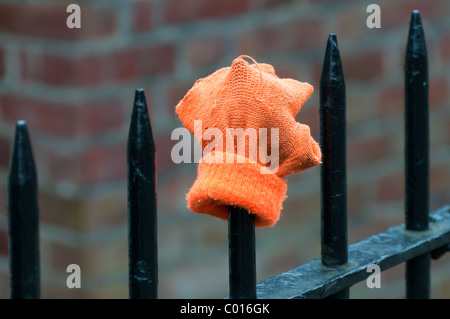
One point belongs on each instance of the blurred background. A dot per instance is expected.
(75, 89)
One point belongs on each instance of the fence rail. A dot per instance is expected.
(422, 237)
(387, 249)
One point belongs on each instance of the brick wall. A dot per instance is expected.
(75, 90)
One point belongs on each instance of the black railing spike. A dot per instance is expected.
(242, 262)
(416, 127)
(333, 169)
(142, 199)
(23, 216)
(417, 153)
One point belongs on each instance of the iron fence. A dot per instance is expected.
(422, 237)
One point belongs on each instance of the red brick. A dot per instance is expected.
(275, 3)
(438, 93)
(125, 64)
(351, 24)
(177, 11)
(290, 36)
(264, 40)
(164, 145)
(204, 51)
(448, 131)
(398, 14)
(157, 60)
(49, 21)
(306, 34)
(2, 63)
(62, 71)
(300, 208)
(97, 117)
(310, 117)
(363, 66)
(131, 63)
(391, 188)
(288, 69)
(142, 16)
(81, 71)
(445, 47)
(3, 199)
(89, 167)
(62, 118)
(5, 152)
(40, 115)
(439, 177)
(107, 211)
(283, 260)
(96, 259)
(356, 198)
(61, 212)
(81, 213)
(4, 242)
(328, 1)
(96, 22)
(175, 93)
(391, 101)
(367, 150)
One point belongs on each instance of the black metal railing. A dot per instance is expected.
(417, 153)
(142, 231)
(23, 217)
(424, 236)
(333, 142)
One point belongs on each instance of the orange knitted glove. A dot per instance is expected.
(249, 97)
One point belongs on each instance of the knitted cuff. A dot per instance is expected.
(219, 185)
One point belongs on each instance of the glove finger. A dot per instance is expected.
(301, 151)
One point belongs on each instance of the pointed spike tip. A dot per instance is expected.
(139, 97)
(415, 18)
(22, 132)
(21, 123)
(332, 73)
(416, 46)
(332, 42)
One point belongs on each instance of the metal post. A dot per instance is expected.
(23, 219)
(142, 231)
(417, 153)
(242, 262)
(333, 169)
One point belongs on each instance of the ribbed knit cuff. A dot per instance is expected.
(219, 185)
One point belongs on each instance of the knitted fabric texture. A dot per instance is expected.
(247, 96)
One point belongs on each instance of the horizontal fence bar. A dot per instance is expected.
(23, 219)
(142, 198)
(387, 249)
